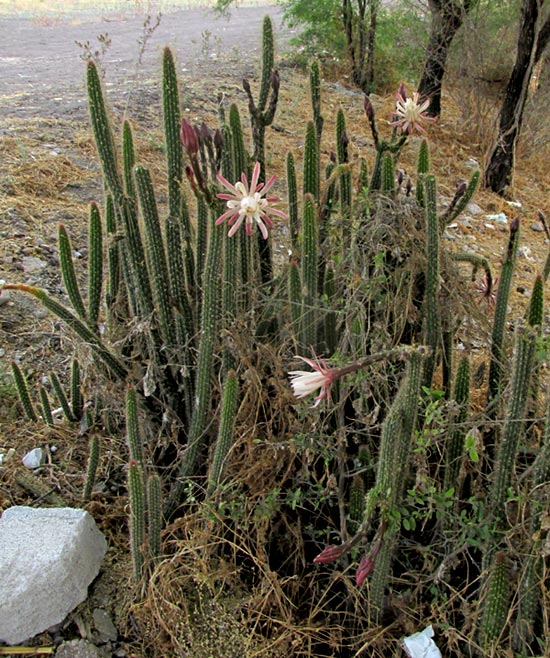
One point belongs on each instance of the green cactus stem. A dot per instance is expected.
(225, 436)
(388, 176)
(103, 135)
(496, 605)
(311, 163)
(46, 407)
(514, 423)
(156, 257)
(117, 368)
(62, 398)
(293, 217)
(77, 404)
(309, 274)
(172, 119)
(461, 199)
(68, 272)
(137, 518)
(23, 392)
(496, 367)
(154, 515)
(91, 471)
(433, 317)
(422, 168)
(315, 91)
(331, 337)
(454, 442)
(95, 266)
(128, 159)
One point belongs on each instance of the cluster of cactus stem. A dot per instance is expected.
(178, 284)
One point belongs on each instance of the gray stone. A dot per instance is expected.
(33, 263)
(538, 227)
(77, 649)
(104, 625)
(48, 557)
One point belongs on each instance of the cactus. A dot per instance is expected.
(63, 401)
(454, 442)
(309, 274)
(293, 217)
(311, 163)
(23, 392)
(432, 314)
(137, 518)
(46, 407)
(95, 266)
(225, 436)
(496, 605)
(422, 168)
(513, 422)
(315, 91)
(501, 306)
(76, 393)
(68, 272)
(154, 516)
(388, 175)
(356, 503)
(128, 160)
(172, 118)
(93, 463)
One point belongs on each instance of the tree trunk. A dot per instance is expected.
(360, 40)
(500, 167)
(447, 18)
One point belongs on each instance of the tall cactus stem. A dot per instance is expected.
(137, 518)
(128, 159)
(23, 392)
(91, 470)
(172, 118)
(158, 267)
(46, 407)
(315, 91)
(154, 516)
(461, 200)
(388, 176)
(309, 274)
(76, 393)
(102, 132)
(514, 421)
(433, 317)
(225, 438)
(69, 275)
(454, 443)
(496, 367)
(496, 608)
(422, 168)
(311, 163)
(95, 266)
(292, 187)
(62, 398)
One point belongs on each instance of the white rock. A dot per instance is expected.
(4, 294)
(474, 209)
(48, 557)
(33, 263)
(34, 458)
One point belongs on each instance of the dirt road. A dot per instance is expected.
(42, 68)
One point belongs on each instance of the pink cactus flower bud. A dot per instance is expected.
(329, 554)
(188, 138)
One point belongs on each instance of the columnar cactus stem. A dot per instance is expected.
(95, 266)
(113, 253)
(514, 422)
(311, 163)
(102, 133)
(128, 160)
(342, 141)
(208, 336)
(76, 393)
(496, 607)
(309, 274)
(172, 118)
(433, 318)
(75, 324)
(293, 217)
(501, 306)
(154, 516)
(63, 401)
(423, 167)
(331, 340)
(91, 471)
(46, 407)
(137, 518)
(158, 267)
(295, 298)
(23, 392)
(454, 443)
(225, 436)
(388, 176)
(315, 90)
(461, 199)
(68, 272)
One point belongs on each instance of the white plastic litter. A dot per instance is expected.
(499, 218)
(421, 645)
